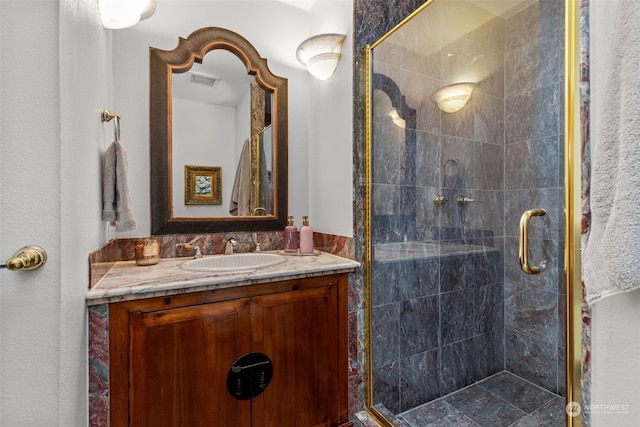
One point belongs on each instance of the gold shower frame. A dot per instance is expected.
(572, 218)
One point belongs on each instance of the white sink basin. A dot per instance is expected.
(233, 262)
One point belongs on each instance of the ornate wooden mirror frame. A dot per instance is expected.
(162, 64)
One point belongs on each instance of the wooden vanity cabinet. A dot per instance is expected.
(170, 356)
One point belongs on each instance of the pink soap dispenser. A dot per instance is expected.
(290, 236)
(306, 237)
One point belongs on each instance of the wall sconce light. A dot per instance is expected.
(117, 14)
(397, 120)
(321, 54)
(453, 97)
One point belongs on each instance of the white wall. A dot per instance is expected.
(56, 74)
(210, 145)
(615, 352)
(320, 116)
(55, 77)
(330, 127)
(271, 27)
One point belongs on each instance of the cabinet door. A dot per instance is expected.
(298, 330)
(179, 361)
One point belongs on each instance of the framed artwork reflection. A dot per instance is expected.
(202, 185)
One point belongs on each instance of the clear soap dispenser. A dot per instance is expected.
(290, 236)
(306, 237)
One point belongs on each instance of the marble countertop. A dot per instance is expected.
(127, 281)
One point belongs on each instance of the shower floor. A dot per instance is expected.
(503, 399)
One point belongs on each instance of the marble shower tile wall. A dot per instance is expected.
(459, 154)
(437, 326)
(534, 316)
(585, 109)
(372, 19)
(472, 139)
(438, 322)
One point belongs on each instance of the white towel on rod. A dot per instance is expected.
(116, 201)
(611, 255)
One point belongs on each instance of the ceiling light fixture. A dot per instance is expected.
(321, 54)
(453, 97)
(117, 14)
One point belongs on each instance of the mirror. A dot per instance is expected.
(218, 137)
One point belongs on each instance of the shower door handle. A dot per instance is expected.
(523, 246)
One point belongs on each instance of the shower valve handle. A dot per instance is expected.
(464, 200)
(439, 200)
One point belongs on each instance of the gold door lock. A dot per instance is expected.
(28, 258)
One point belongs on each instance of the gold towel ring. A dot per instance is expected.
(107, 116)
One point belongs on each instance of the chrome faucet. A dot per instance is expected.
(258, 242)
(231, 244)
(198, 253)
(464, 200)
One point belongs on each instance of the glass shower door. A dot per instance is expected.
(466, 173)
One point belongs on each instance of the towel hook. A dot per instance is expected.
(107, 116)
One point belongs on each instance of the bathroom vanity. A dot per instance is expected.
(264, 347)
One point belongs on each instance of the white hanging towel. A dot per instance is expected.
(611, 255)
(116, 201)
(240, 203)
